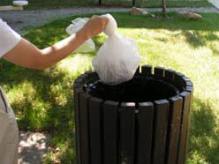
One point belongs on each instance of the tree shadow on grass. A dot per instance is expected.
(197, 33)
(174, 22)
(32, 147)
(194, 38)
(199, 39)
(204, 140)
(191, 29)
(44, 103)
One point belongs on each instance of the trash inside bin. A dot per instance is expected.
(144, 120)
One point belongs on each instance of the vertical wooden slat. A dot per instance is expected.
(127, 133)
(84, 130)
(187, 81)
(110, 132)
(146, 70)
(179, 82)
(159, 72)
(189, 121)
(144, 133)
(176, 104)
(169, 75)
(189, 89)
(160, 130)
(95, 107)
(77, 124)
(184, 127)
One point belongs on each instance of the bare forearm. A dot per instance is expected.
(58, 51)
(28, 55)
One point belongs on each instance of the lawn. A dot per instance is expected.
(43, 100)
(36, 4)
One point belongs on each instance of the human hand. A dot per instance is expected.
(93, 27)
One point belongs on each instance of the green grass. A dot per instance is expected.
(43, 100)
(39, 4)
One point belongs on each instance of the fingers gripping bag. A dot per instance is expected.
(118, 58)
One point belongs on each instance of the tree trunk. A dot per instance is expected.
(133, 2)
(164, 7)
(100, 2)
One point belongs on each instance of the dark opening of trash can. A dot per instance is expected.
(139, 89)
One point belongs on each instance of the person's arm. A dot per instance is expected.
(28, 55)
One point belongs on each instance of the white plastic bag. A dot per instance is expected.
(118, 58)
(77, 24)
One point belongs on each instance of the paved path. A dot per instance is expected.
(215, 3)
(19, 20)
(32, 147)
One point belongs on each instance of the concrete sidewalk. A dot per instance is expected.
(215, 3)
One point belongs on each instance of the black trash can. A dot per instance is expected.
(142, 121)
